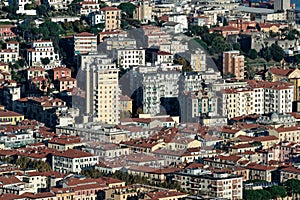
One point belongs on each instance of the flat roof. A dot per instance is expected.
(255, 10)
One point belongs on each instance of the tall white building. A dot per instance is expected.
(42, 49)
(128, 57)
(282, 5)
(98, 77)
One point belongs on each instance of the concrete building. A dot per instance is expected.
(99, 79)
(198, 61)
(9, 55)
(73, 161)
(112, 18)
(143, 12)
(84, 43)
(42, 49)
(128, 57)
(233, 64)
(97, 18)
(282, 5)
(217, 184)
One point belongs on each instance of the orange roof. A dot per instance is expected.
(109, 9)
(280, 72)
(84, 34)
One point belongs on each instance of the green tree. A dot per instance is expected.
(266, 195)
(45, 61)
(277, 52)
(292, 187)
(41, 10)
(266, 53)
(128, 8)
(252, 54)
(277, 191)
(202, 43)
(218, 45)
(252, 195)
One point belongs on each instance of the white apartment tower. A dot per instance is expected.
(282, 5)
(99, 80)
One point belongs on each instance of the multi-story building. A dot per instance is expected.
(217, 184)
(9, 55)
(128, 57)
(162, 57)
(73, 161)
(84, 43)
(260, 97)
(198, 61)
(233, 64)
(99, 78)
(40, 50)
(194, 105)
(10, 117)
(59, 72)
(281, 5)
(97, 18)
(13, 45)
(158, 85)
(114, 43)
(87, 7)
(143, 12)
(65, 83)
(33, 72)
(112, 18)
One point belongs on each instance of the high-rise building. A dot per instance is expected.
(233, 64)
(282, 5)
(84, 43)
(98, 76)
(143, 12)
(112, 18)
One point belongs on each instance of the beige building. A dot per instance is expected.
(234, 64)
(100, 82)
(84, 43)
(143, 12)
(112, 18)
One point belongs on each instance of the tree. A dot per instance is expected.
(128, 8)
(277, 191)
(266, 195)
(202, 43)
(252, 54)
(277, 52)
(218, 45)
(252, 195)
(292, 187)
(45, 61)
(41, 10)
(266, 53)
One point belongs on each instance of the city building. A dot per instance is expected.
(99, 79)
(84, 43)
(129, 57)
(40, 50)
(112, 18)
(233, 64)
(143, 12)
(281, 5)
(73, 161)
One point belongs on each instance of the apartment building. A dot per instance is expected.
(59, 72)
(157, 85)
(87, 7)
(217, 184)
(99, 79)
(33, 72)
(73, 161)
(6, 31)
(9, 55)
(233, 64)
(65, 83)
(143, 12)
(260, 97)
(198, 61)
(39, 50)
(195, 104)
(129, 57)
(112, 18)
(97, 17)
(13, 45)
(84, 43)
(10, 117)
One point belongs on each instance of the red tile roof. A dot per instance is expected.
(73, 153)
(280, 72)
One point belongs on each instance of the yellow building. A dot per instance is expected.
(10, 117)
(125, 106)
(112, 18)
(143, 12)
(63, 193)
